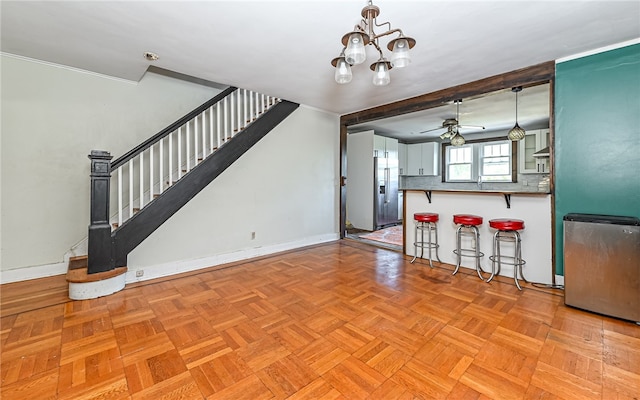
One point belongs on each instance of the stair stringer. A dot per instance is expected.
(135, 230)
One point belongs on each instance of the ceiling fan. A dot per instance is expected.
(451, 125)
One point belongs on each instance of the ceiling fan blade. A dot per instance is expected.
(471, 126)
(434, 129)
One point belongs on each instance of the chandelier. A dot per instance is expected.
(363, 34)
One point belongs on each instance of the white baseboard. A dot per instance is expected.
(162, 270)
(179, 267)
(560, 280)
(29, 273)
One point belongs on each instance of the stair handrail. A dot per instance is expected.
(171, 128)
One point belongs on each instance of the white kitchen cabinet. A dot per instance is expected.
(533, 141)
(422, 159)
(402, 159)
(385, 147)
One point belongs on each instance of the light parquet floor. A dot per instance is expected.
(335, 321)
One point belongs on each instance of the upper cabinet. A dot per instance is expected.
(533, 142)
(402, 159)
(422, 159)
(384, 147)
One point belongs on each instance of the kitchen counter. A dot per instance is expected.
(505, 193)
(526, 183)
(532, 207)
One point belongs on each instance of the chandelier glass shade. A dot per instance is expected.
(516, 133)
(343, 70)
(363, 34)
(381, 74)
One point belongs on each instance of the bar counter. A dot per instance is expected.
(533, 207)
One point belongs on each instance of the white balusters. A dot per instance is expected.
(141, 183)
(119, 196)
(218, 124)
(179, 153)
(130, 163)
(170, 182)
(195, 141)
(211, 145)
(204, 135)
(150, 174)
(169, 158)
(161, 162)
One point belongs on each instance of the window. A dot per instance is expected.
(495, 165)
(490, 161)
(459, 163)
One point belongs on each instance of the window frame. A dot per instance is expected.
(477, 159)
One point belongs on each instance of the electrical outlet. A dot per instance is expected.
(139, 273)
(253, 235)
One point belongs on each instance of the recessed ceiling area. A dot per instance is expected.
(496, 112)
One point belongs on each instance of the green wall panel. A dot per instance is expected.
(597, 137)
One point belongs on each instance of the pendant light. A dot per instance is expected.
(457, 139)
(516, 133)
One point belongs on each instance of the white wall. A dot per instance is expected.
(285, 189)
(52, 117)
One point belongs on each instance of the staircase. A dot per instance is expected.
(136, 193)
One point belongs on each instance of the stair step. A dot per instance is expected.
(78, 271)
(81, 275)
(78, 262)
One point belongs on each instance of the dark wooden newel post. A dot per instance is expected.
(99, 259)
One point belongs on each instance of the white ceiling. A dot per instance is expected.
(284, 48)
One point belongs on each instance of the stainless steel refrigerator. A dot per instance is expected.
(385, 190)
(602, 264)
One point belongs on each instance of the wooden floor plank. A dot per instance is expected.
(334, 321)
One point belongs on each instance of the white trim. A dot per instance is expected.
(173, 268)
(68, 68)
(28, 273)
(560, 280)
(599, 50)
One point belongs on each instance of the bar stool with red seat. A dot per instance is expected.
(507, 231)
(426, 222)
(468, 226)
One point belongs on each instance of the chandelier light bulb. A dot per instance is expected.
(355, 52)
(400, 56)
(381, 75)
(343, 71)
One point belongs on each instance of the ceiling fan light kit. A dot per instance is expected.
(516, 133)
(452, 125)
(354, 50)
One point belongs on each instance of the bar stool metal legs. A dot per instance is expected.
(468, 230)
(507, 232)
(426, 222)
